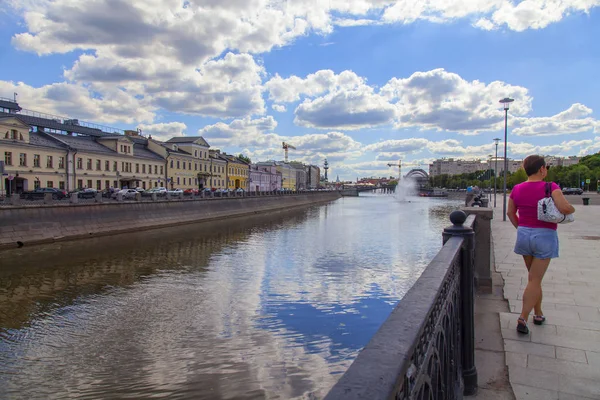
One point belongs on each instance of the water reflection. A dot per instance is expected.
(262, 307)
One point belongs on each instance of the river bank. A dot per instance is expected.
(20, 226)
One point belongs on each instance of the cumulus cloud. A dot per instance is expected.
(163, 131)
(576, 119)
(279, 108)
(76, 101)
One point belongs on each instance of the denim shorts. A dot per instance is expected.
(537, 242)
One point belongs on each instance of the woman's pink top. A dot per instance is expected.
(526, 196)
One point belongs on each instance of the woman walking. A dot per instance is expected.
(537, 241)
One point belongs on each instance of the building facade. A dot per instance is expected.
(40, 159)
(313, 176)
(238, 172)
(288, 175)
(218, 170)
(451, 166)
(198, 148)
(264, 177)
(513, 165)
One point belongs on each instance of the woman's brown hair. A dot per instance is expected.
(532, 164)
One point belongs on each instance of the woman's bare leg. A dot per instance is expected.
(533, 291)
(537, 308)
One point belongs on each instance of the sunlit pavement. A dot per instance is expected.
(561, 359)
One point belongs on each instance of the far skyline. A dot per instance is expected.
(362, 83)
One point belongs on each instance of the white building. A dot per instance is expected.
(451, 166)
(513, 165)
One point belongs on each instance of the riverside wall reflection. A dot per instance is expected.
(260, 307)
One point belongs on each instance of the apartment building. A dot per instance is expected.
(218, 170)
(238, 172)
(451, 166)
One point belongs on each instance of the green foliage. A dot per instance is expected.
(244, 158)
(571, 176)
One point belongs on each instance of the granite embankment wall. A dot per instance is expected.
(48, 223)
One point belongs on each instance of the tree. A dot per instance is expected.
(244, 158)
(516, 178)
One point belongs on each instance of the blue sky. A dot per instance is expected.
(361, 82)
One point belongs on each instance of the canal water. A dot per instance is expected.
(266, 307)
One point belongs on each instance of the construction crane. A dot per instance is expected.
(287, 146)
(399, 165)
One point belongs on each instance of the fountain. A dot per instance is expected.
(407, 188)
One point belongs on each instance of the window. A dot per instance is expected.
(98, 165)
(89, 164)
(190, 166)
(89, 183)
(61, 162)
(49, 162)
(137, 168)
(162, 170)
(13, 134)
(178, 180)
(50, 184)
(36, 184)
(149, 169)
(115, 184)
(122, 166)
(144, 185)
(106, 184)
(195, 166)
(171, 163)
(8, 157)
(61, 185)
(143, 168)
(177, 164)
(115, 167)
(98, 184)
(79, 183)
(184, 181)
(195, 153)
(156, 170)
(22, 159)
(107, 165)
(204, 167)
(36, 160)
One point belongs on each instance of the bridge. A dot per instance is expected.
(420, 176)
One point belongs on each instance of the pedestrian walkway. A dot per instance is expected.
(561, 359)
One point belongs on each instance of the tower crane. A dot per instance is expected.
(287, 146)
(399, 165)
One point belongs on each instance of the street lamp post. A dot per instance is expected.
(496, 169)
(505, 102)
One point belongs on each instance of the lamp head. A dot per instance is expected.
(497, 140)
(506, 101)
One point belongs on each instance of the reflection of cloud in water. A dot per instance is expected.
(255, 310)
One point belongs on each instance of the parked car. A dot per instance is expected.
(38, 194)
(578, 191)
(87, 193)
(127, 193)
(175, 192)
(191, 192)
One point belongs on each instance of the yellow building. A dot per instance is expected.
(218, 170)
(41, 159)
(238, 172)
(288, 175)
(198, 148)
(30, 159)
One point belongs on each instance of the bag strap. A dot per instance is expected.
(548, 189)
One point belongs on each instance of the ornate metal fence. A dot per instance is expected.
(425, 349)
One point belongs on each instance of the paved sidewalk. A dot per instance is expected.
(561, 359)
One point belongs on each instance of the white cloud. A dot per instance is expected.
(108, 105)
(163, 131)
(279, 108)
(576, 119)
(399, 145)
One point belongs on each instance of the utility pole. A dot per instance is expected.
(505, 101)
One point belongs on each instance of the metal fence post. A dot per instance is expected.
(467, 300)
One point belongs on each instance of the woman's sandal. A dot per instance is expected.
(522, 326)
(539, 319)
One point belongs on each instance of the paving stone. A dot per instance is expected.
(578, 386)
(517, 346)
(533, 377)
(523, 392)
(593, 358)
(516, 359)
(564, 353)
(570, 368)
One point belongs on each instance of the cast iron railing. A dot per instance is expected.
(425, 349)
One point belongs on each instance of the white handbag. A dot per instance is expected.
(548, 212)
